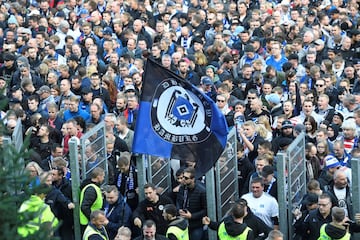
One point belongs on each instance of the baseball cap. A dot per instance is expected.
(14, 100)
(249, 48)
(319, 42)
(254, 39)
(299, 128)
(339, 115)
(205, 80)
(9, 57)
(83, 11)
(226, 32)
(86, 90)
(107, 31)
(129, 88)
(331, 162)
(238, 30)
(273, 98)
(197, 40)
(43, 89)
(286, 124)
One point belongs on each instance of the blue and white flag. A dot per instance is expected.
(176, 120)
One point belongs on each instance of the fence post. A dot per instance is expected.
(75, 184)
(355, 185)
(210, 195)
(142, 161)
(282, 195)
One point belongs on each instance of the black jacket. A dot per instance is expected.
(196, 204)
(335, 232)
(259, 228)
(57, 202)
(312, 223)
(149, 210)
(233, 228)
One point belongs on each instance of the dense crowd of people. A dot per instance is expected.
(274, 68)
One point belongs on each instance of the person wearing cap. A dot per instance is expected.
(8, 69)
(262, 204)
(45, 97)
(250, 56)
(285, 138)
(275, 106)
(326, 175)
(207, 86)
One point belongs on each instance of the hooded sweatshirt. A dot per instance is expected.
(335, 232)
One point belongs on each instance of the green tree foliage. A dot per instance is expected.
(14, 190)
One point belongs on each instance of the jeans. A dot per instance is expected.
(196, 234)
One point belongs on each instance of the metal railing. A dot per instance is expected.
(291, 180)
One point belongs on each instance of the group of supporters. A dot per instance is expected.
(274, 69)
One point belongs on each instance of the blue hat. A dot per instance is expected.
(83, 11)
(238, 30)
(12, 20)
(60, 14)
(205, 80)
(273, 98)
(107, 31)
(331, 162)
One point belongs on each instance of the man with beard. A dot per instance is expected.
(34, 59)
(286, 132)
(186, 73)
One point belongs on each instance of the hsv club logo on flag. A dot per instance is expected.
(176, 120)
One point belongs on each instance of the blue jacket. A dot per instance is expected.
(82, 113)
(118, 214)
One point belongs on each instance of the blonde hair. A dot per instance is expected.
(200, 59)
(264, 120)
(261, 130)
(36, 166)
(90, 70)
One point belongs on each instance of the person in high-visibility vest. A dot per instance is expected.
(178, 227)
(40, 211)
(91, 198)
(233, 226)
(335, 229)
(96, 227)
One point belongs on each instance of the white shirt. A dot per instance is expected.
(264, 207)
